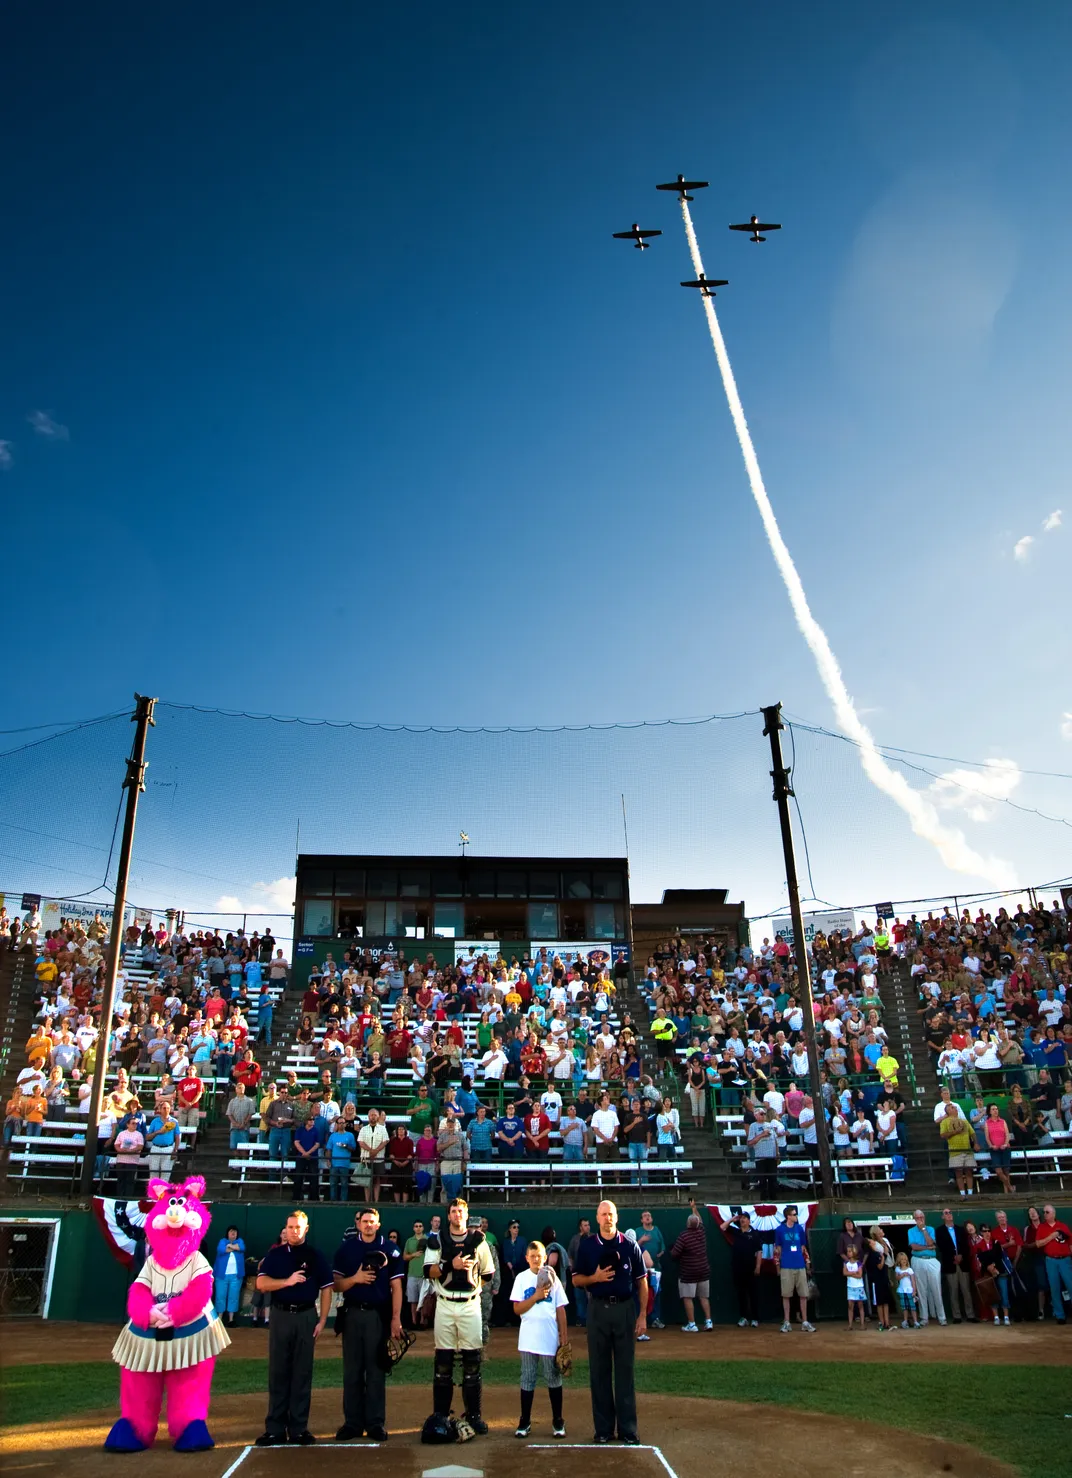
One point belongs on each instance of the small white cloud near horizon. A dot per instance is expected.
(1021, 550)
(6, 458)
(47, 426)
(1051, 521)
(976, 792)
(1066, 726)
(261, 899)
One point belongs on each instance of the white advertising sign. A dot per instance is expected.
(841, 919)
(596, 950)
(55, 910)
(465, 949)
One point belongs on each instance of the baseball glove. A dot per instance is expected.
(394, 1349)
(463, 1431)
(564, 1359)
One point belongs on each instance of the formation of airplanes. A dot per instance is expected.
(755, 228)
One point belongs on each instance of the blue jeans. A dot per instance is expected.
(638, 1154)
(349, 1092)
(581, 1297)
(1002, 1280)
(224, 1064)
(339, 1183)
(573, 1154)
(264, 1027)
(452, 1185)
(1058, 1274)
(278, 1144)
(32, 1129)
(227, 1296)
(239, 1136)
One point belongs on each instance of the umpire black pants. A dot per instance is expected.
(290, 1370)
(611, 1350)
(746, 1286)
(364, 1381)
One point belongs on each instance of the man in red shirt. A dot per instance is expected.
(1055, 1240)
(1008, 1237)
(247, 1071)
(188, 1093)
(399, 1044)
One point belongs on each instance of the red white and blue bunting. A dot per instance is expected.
(123, 1225)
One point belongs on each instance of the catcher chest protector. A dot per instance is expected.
(455, 1281)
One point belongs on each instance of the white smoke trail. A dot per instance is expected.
(950, 844)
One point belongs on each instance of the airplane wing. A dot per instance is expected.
(679, 184)
(746, 226)
(760, 226)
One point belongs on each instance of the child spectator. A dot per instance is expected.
(853, 1272)
(906, 1291)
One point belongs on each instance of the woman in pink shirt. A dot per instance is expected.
(998, 1142)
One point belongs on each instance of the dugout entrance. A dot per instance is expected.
(27, 1263)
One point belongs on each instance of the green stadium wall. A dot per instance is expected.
(90, 1285)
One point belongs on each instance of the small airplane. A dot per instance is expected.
(755, 225)
(707, 285)
(636, 236)
(681, 186)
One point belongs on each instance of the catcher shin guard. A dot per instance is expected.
(472, 1389)
(443, 1382)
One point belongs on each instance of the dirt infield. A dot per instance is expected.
(966, 1344)
(689, 1434)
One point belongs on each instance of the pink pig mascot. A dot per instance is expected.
(171, 1340)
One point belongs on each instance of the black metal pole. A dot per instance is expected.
(772, 718)
(134, 784)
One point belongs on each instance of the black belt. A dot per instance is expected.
(366, 1308)
(293, 1308)
(613, 1298)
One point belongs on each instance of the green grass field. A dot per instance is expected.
(1015, 1412)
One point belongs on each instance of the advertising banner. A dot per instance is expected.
(841, 919)
(465, 949)
(597, 951)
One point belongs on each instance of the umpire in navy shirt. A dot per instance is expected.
(371, 1275)
(610, 1269)
(299, 1279)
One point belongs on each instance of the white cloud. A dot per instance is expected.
(976, 792)
(6, 458)
(1066, 726)
(1022, 548)
(1052, 521)
(45, 425)
(260, 899)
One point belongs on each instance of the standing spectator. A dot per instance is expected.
(667, 1130)
(853, 1273)
(762, 1141)
(906, 1291)
(959, 1139)
(878, 1261)
(580, 1297)
(340, 1147)
(279, 1117)
(239, 1116)
(229, 1273)
(611, 1270)
(652, 1243)
(1054, 1240)
(413, 1257)
(265, 1012)
(188, 1093)
(129, 1144)
(792, 1258)
(160, 1141)
(954, 1254)
(400, 1151)
(574, 1136)
(746, 1262)
(306, 1147)
(604, 1129)
(998, 1142)
(636, 1131)
(927, 1269)
(510, 1134)
(298, 1277)
(452, 1151)
(372, 1140)
(694, 1273)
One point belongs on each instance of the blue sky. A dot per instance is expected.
(327, 392)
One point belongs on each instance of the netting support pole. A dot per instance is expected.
(134, 784)
(772, 718)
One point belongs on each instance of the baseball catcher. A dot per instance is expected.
(459, 1266)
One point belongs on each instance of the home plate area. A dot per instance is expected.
(483, 1458)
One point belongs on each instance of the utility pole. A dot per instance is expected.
(772, 718)
(134, 784)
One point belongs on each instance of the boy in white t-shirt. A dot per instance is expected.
(540, 1302)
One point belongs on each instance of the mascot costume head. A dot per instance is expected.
(173, 1335)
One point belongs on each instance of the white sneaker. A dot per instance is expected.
(1006, 1320)
(904, 1323)
(755, 1323)
(997, 1320)
(742, 1323)
(807, 1328)
(787, 1328)
(709, 1324)
(689, 1329)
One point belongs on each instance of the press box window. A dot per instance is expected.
(318, 917)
